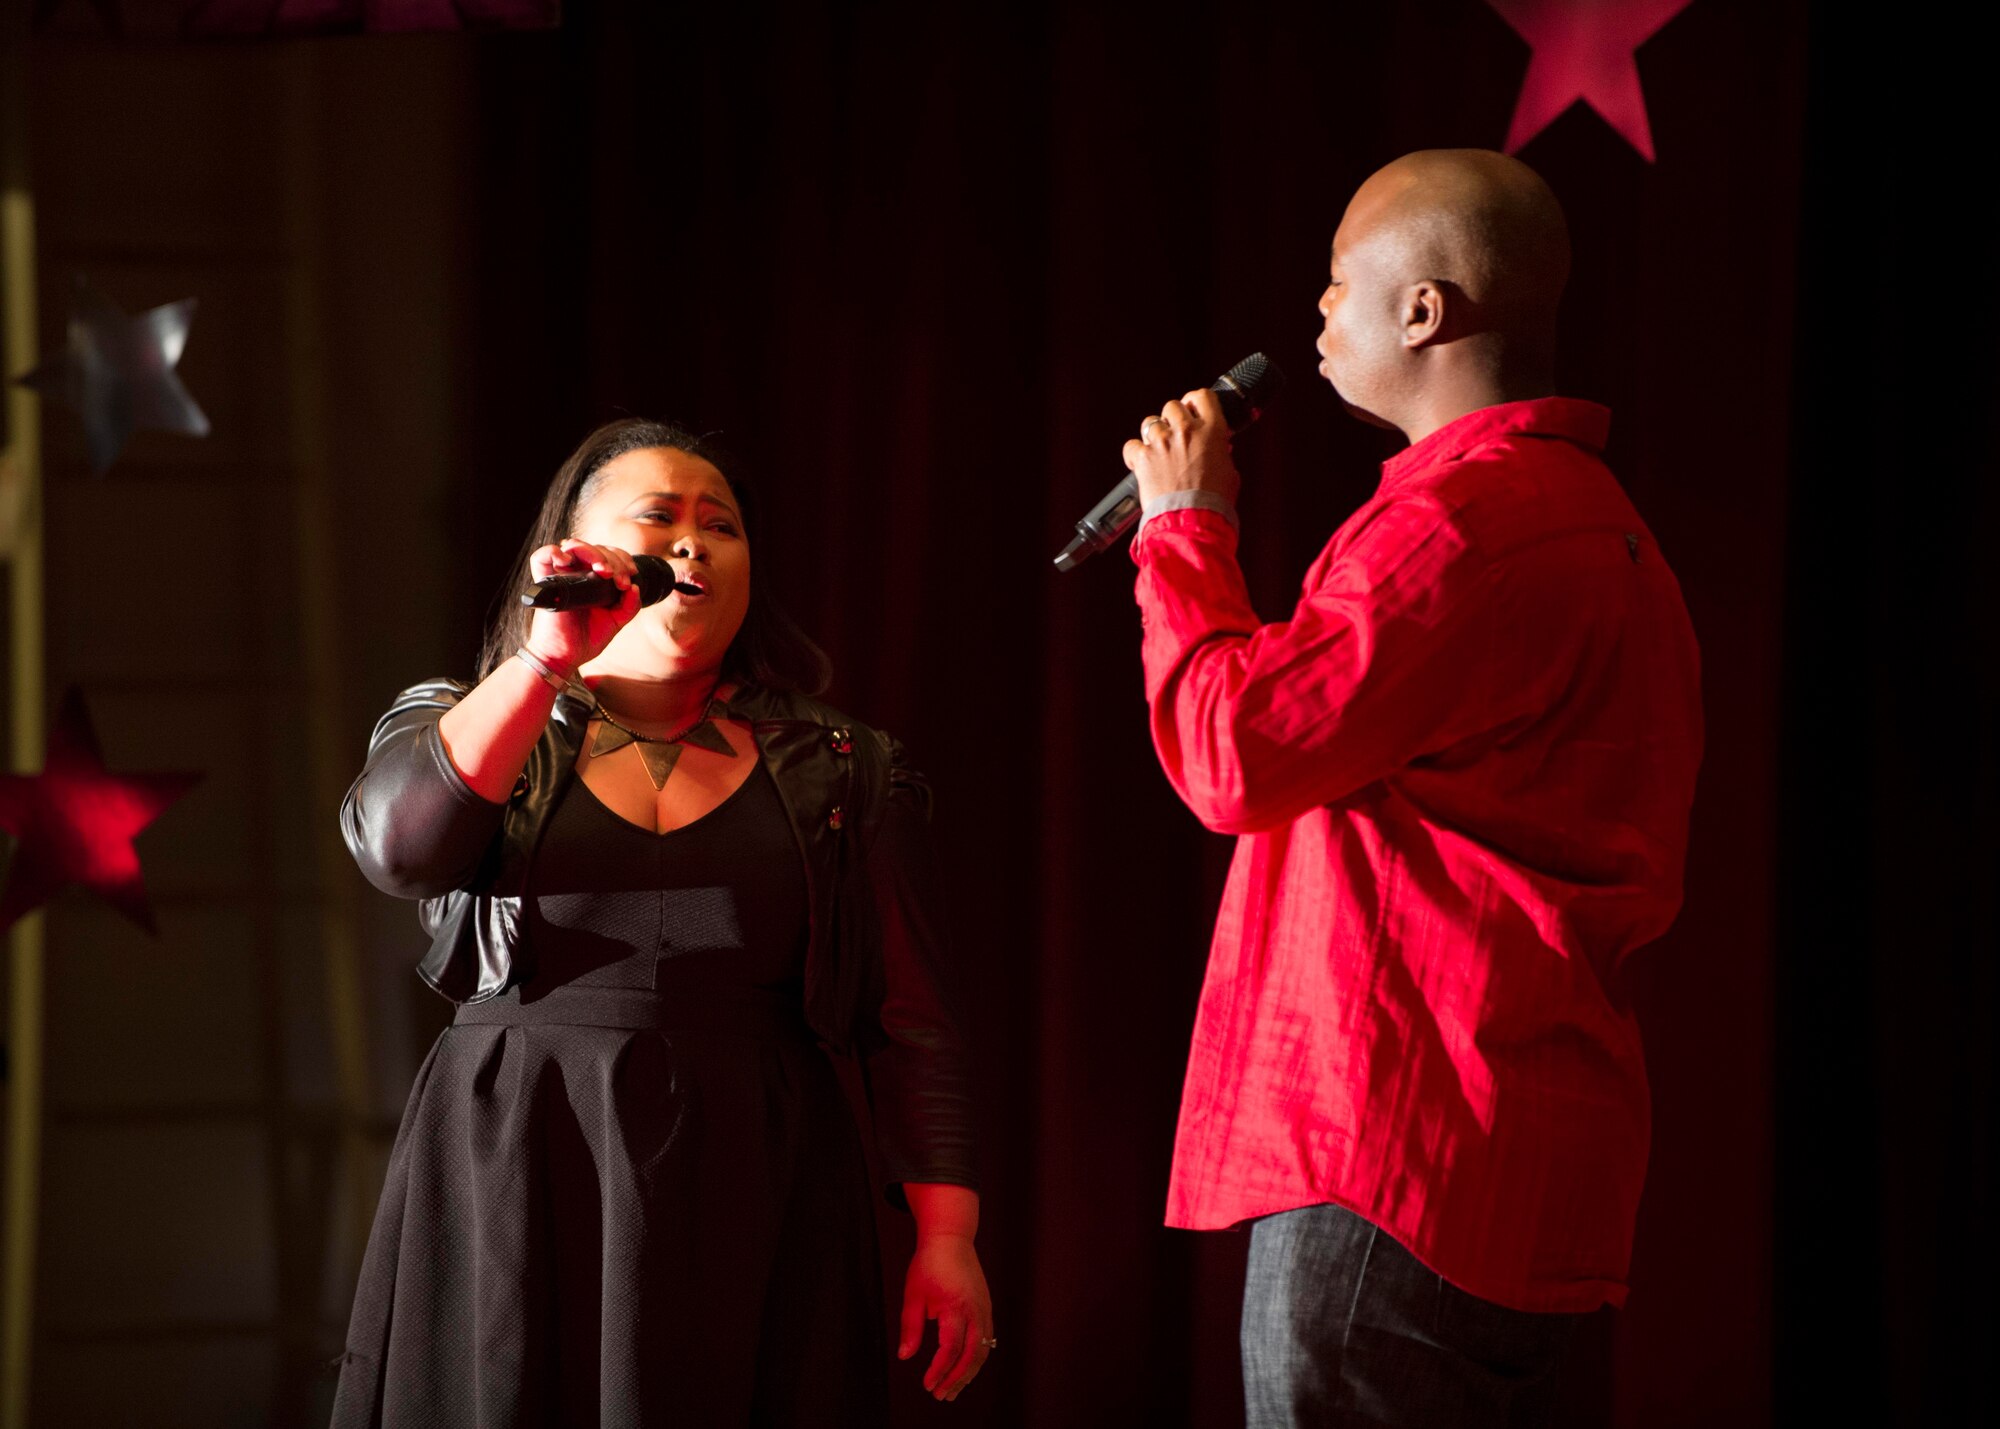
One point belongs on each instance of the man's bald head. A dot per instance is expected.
(1460, 249)
(1481, 221)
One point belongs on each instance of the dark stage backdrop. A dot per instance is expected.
(925, 267)
(1884, 1247)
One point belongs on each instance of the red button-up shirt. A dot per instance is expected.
(1460, 776)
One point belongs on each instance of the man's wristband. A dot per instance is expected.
(547, 675)
(1188, 501)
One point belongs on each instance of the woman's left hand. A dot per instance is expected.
(946, 1284)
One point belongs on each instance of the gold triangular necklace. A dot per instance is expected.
(659, 753)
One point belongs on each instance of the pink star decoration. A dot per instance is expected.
(1583, 49)
(75, 822)
(210, 18)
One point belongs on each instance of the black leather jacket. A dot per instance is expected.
(873, 983)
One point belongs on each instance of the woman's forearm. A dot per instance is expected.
(942, 1209)
(490, 733)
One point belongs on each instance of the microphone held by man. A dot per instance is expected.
(1243, 392)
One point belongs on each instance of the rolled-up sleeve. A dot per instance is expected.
(1380, 662)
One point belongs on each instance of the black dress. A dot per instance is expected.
(630, 1192)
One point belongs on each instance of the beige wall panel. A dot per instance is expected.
(404, 1016)
(151, 579)
(175, 1215)
(165, 150)
(397, 253)
(346, 1238)
(308, 1050)
(309, 197)
(134, 1022)
(177, 1384)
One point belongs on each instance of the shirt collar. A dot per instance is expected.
(1585, 423)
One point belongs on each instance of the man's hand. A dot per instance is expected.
(1185, 448)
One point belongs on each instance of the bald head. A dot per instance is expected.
(1452, 263)
(1478, 220)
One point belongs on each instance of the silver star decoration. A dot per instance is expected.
(117, 372)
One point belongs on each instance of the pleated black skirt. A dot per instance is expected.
(620, 1225)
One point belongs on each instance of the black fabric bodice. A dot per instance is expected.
(715, 908)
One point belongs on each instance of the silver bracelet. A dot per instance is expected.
(541, 668)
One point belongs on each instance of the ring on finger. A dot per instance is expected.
(1146, 427)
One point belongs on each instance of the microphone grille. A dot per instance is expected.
(1247, 389)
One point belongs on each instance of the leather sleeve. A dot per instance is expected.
(410, 820)
(906, 1031)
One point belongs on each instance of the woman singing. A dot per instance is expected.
(659, 878)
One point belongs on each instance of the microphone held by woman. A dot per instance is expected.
(584, 590)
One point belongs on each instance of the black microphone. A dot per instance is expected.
(1244, 391)
(582, 591)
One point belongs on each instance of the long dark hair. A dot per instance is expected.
(770, 650)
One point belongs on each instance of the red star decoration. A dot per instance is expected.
(1583, 49)
(75, 822)
(209, 18)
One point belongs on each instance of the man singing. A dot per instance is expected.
(1459, 775)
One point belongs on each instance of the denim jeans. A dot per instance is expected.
(1342, 1326)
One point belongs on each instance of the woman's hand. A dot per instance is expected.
(489, 734)
(567, 639)
(946, 1284)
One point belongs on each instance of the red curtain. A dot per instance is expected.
(924, 267)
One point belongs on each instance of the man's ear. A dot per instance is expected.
(1423, 313)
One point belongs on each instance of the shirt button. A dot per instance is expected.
(836, 819)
